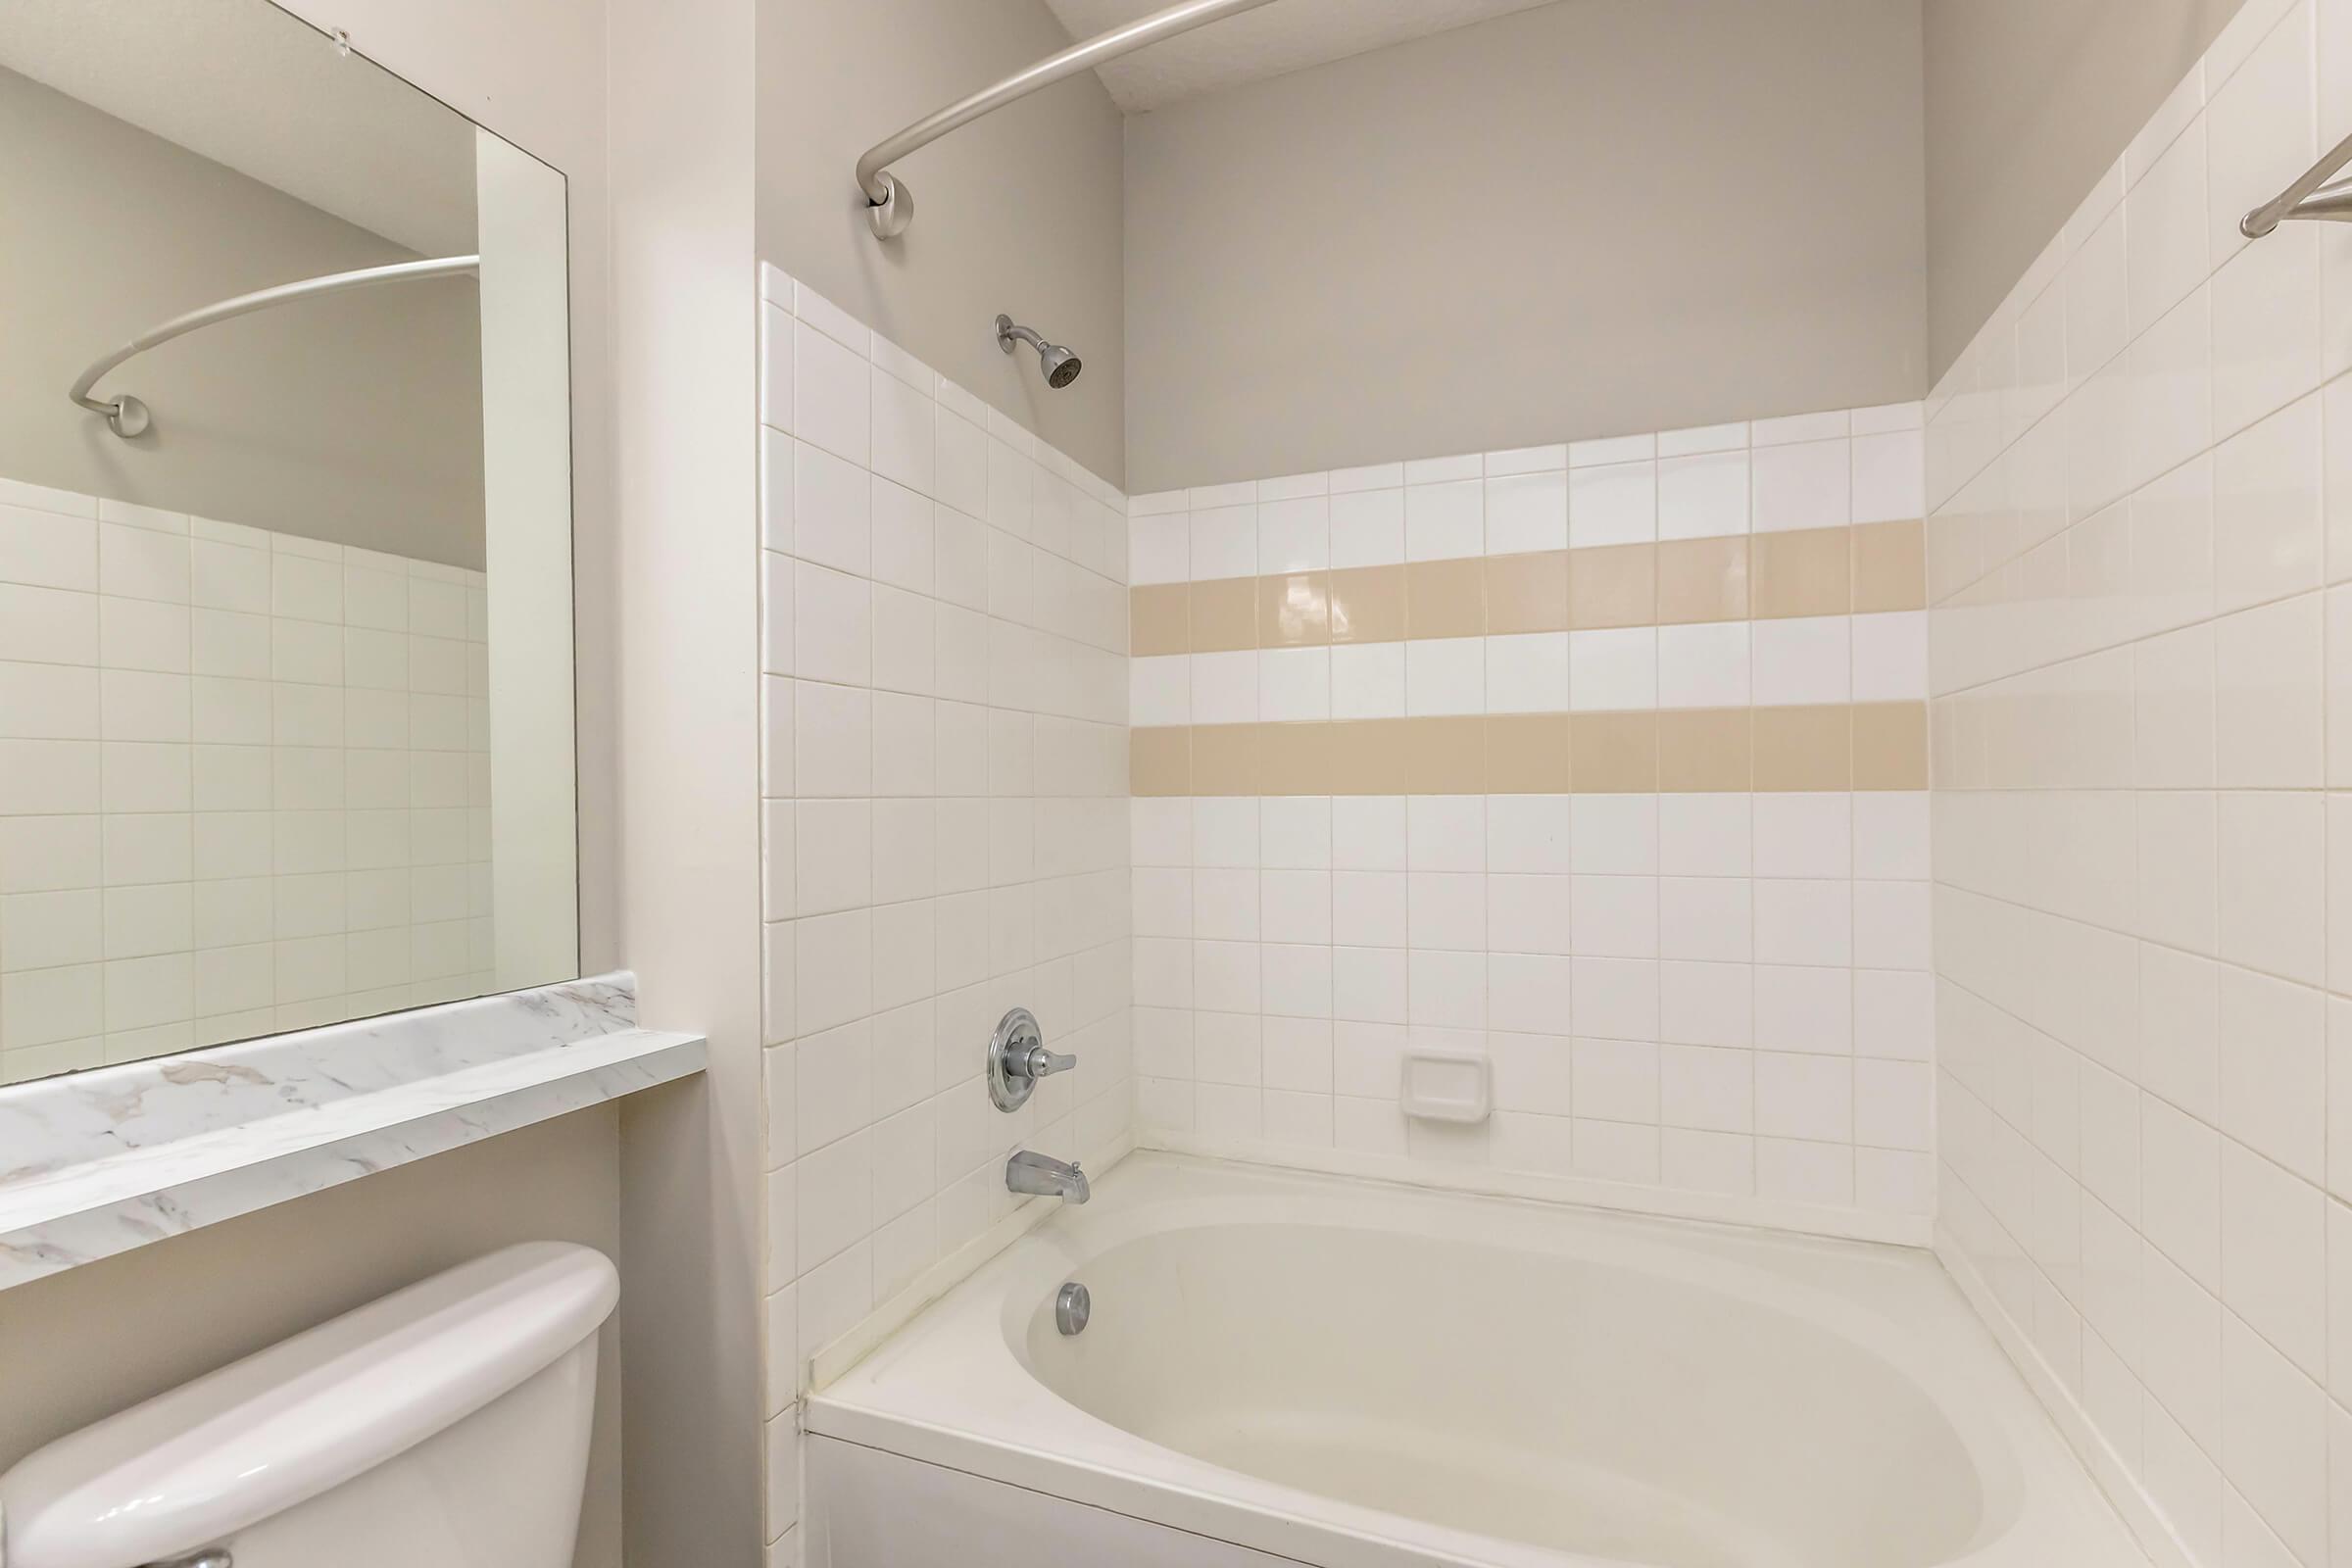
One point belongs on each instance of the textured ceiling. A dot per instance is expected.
(242, 83)
(1286, 35)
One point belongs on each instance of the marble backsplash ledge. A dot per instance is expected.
(48, 1125)
(118, 1201)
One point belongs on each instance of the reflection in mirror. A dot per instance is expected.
(286, 638)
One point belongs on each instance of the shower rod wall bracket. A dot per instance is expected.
(889, 216)
(2324, 195)
(128, 417)
(892, 208)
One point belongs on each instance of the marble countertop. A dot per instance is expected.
(93, 1164)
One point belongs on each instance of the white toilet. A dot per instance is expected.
(446, 1424)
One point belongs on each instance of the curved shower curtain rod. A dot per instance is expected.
(127, 417)
(892, 206)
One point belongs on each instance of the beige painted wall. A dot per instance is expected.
(1593, 217)
(2028, 102)
(79, 1345)
(355, 420)
(685, 467)
(1016, 213)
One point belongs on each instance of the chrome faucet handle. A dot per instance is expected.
(1041, 1062)
(1017, 1059)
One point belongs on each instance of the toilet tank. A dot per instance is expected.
(446, 1424)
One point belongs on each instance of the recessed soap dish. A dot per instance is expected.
(1456, 1086)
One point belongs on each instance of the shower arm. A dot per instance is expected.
(128, 417)
(890, 206)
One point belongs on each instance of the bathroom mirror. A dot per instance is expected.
(285, 590)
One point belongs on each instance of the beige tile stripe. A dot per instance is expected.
(1765, 576)
(1861, 746)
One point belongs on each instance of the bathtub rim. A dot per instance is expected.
(1026, 1434)
(2133, 1503)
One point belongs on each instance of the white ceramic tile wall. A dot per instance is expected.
(945, 781)
(244, 782)
(2141, 650)
(1720, 993)
(1720, 1000)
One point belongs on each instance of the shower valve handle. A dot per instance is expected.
(1017, 1059)
(1037, 1062)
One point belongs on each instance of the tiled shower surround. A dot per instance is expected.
(2142, 478)
(945, 820)
(244, 782)
(1611, 761)
(1606, 759)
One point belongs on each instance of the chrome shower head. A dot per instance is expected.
(1060, 365)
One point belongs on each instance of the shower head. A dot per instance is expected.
(1060, 365)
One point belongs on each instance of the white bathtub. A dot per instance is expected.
(1362, 1376)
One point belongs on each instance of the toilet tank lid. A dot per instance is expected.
(193, 1466)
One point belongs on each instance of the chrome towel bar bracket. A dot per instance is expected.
(2319, 196)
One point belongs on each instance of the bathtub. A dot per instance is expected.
(1283, 1367)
